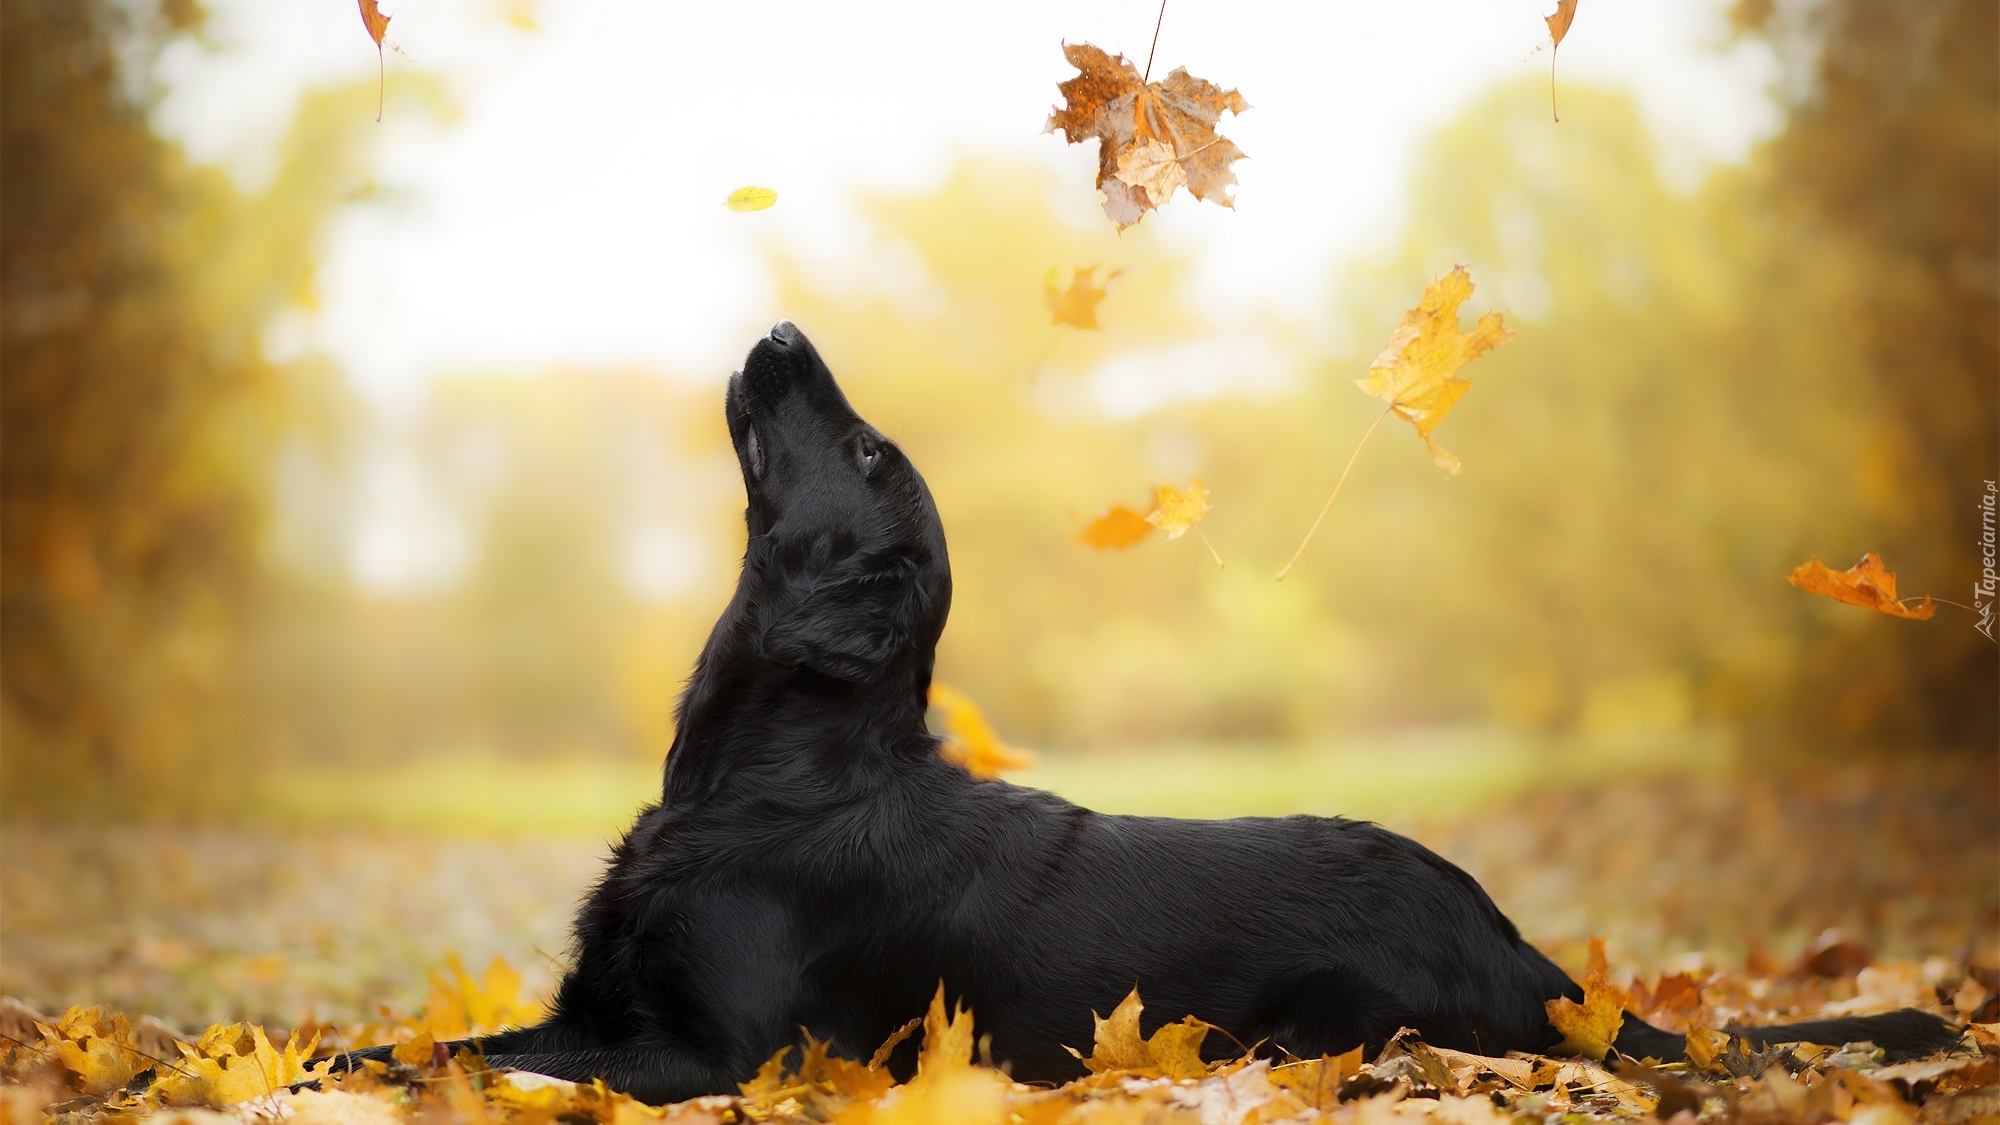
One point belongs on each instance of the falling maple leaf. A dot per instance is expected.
(1152, 138)
(1174, 1051)
(750, 199)
(1076, 306)
(970, 742)
(1117, 526)
(1417, 374)
(1176, 510)
(1867, 584)
(1558, 21)
(378, 27)
(1591, 1027)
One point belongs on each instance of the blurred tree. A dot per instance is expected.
(140, 411)
(1892, 152)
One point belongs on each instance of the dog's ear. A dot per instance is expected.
(848, 623)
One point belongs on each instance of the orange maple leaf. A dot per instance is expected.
(1151, 137)
(1867, 584)
(1076, 306)
(1117, 526)
(1591, 1027)
(378, 27)
(1558, 21)
(970, 741)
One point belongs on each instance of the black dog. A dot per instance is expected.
(813, 863)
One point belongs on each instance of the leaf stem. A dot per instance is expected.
(1148, 77)
(1940, 601)
(1328, 506)
(381, 82)
(1552, 83)
(1212, 552)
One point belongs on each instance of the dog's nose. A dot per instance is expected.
(784, 334)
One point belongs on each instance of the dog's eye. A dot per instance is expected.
(753, 451)
(866, 454)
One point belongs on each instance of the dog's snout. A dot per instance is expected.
(784, 334)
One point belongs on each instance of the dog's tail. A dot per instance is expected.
(538, 1039)
(1902, 1035)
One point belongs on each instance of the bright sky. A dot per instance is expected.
(573, 213)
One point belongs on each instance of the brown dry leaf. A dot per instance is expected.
(1151, 138)
(1174, 1051)
(1175, 510)
(1076, 305)
(1417, 372)
(1590, 1028)
(970, 741)
(234, 1063)
(1674, 992)
(1118, 526)
(1866, 584)
(1558, 21)
(378, 27)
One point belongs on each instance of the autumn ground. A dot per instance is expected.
(1712, 870)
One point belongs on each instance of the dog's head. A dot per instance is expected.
(845, 572)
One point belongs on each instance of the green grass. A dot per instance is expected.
(1392, 779)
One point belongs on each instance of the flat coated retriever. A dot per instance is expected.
(813, 863)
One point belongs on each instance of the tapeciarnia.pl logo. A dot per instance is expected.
(1989, 582)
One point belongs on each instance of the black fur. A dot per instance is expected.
(814, 864)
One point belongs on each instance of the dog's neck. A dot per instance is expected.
(746, 722)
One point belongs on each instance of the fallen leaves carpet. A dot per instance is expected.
(1716, 895)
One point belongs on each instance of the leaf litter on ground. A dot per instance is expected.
(79, 1068)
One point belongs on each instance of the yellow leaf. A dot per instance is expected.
(947, 1088)
(947, 1040)
(1176, 1048)
(1317, 1081)
(233, 1063)
(1151, 138)
(751, 199)
(1118, 526)
(1705, 1047)
(1867, 584)
(970, 741)
(1076, 305)
(462, 1006)
(889, 1045)
(1115, 1042)
(1175, 510)
(1417, 373)
(417, 1052)
(1174, 1051)
(95, 1047)
(1591, 1027)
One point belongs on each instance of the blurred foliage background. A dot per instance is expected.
(1796, 356)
